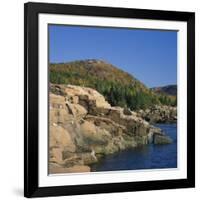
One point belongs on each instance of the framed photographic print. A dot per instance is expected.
(109, 99)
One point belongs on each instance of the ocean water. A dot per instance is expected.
(145, 157)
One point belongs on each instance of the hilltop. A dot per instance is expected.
(99, 69)
(117, 86)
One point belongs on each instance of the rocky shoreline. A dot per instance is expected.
(85, 127)
(159, 114)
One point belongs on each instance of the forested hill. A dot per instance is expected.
(168, 89)
(118, 87)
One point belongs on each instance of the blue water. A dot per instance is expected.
(144, 157)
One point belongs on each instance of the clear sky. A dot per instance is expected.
(149, 55)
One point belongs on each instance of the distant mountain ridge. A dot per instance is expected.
(168, 89)
(119, 87)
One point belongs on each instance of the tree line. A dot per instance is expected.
(117, 94)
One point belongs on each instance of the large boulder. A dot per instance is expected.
(62, 111)
(162, 139)
(86, 96)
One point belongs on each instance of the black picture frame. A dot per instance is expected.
(31, 12)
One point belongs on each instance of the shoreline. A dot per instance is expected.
(84, 127)
(146, 148)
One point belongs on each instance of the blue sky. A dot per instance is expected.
(149, 55)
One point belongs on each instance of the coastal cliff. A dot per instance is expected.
(84, 127)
